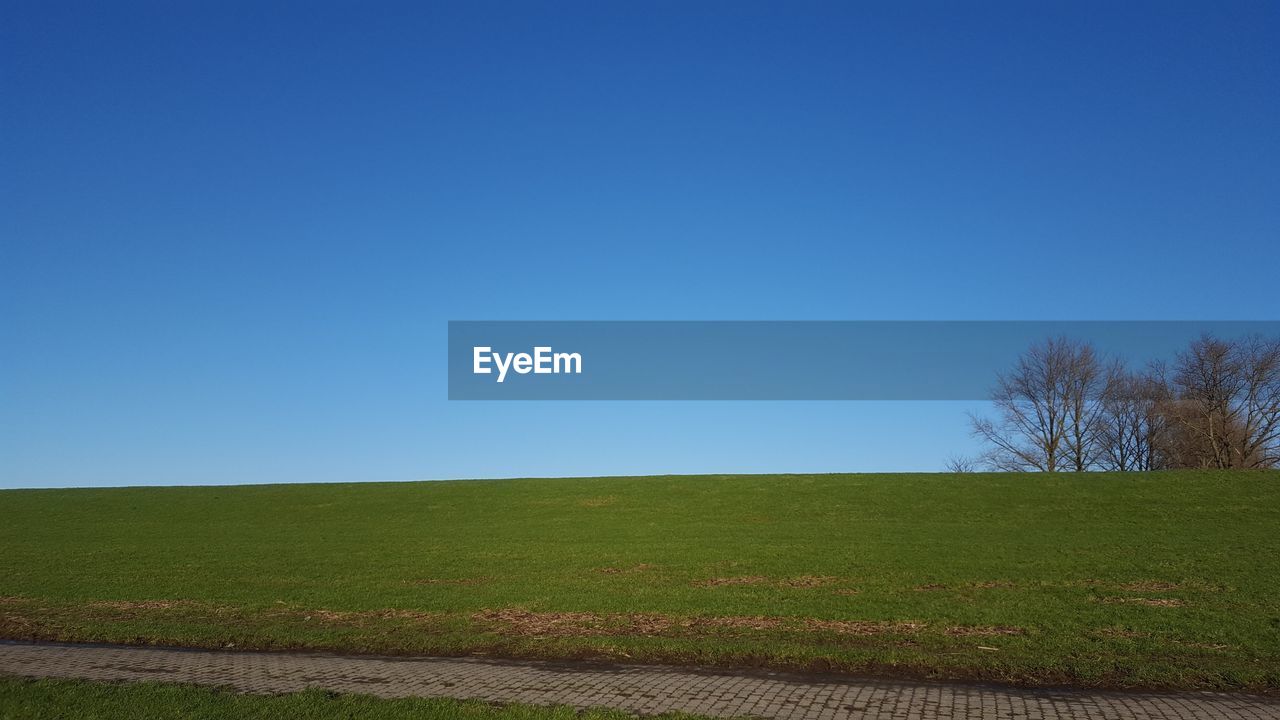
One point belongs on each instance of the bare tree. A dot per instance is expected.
(1062, 408)
(1085, 392)
(1208, 377)
(1227, 412)
(1048, 408)
(1133, 428)
(961, 464)
(1260, 403)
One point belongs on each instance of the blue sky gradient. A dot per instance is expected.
(231, 234)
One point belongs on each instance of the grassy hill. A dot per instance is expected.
(1151, 580)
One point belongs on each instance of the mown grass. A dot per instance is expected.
(1161, 580)
(76, 700)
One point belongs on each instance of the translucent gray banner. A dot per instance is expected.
(772, 360)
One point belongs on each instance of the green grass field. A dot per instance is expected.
(73, 700)
(1164, 580)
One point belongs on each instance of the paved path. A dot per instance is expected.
(642, 689)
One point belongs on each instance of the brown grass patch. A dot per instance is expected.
(929, 587)
(1147, 586)
(1151, 602)
(993, 584)
(116, 610)
(329, 616)
(862, 627)
(598, 501)
(1113, 632)
(809, 581)
(354, 618)
(17, 622)
(517, 621)
(132, 605)
(984, 630)
(1150, 586)
(742, 580)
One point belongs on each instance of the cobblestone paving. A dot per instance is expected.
(641, 689)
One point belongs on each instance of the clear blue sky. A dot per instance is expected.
(232, 233)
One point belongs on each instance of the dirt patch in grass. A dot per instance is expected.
(1150, 586)
(810, 581)
(994, 584)
(353, 618)
(16, 621)
(928, 587)
(598, 501)
(863, 627)
(141, 608)
(984, 630)
(517, 621)
(524, 622)
(1150, 602)
(334, 617)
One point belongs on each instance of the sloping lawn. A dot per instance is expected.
(1161, 580)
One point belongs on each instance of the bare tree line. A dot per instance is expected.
(1064, 407)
